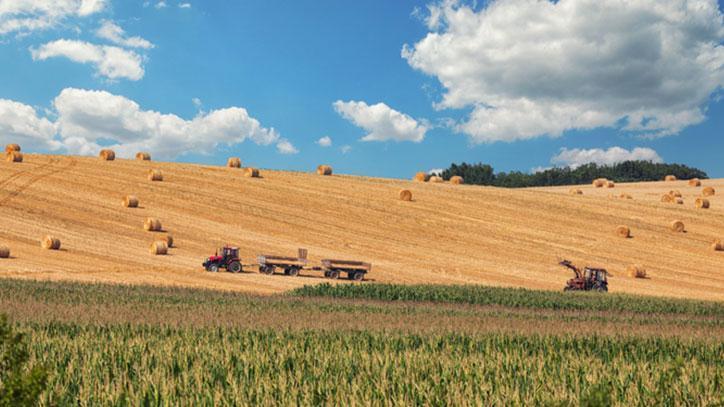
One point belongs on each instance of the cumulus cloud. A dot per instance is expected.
(184, 5)
(20, 123)
(31, 15)
(576, 157)
(382, 122)
(85, 119)
(325, 141)
(161, 4)
(529, 68)
(108, 61)
(345, 149)
(115, 34)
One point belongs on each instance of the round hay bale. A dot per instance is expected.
(406, 195)
(130, 201)
(158, 248)
(708, 191)
(670, 178)
(168, 239)
(436, 179)
(667, 198)
(694, 182)
(610, 184)
(14, 157)
(679, 201)
(457, 180)
(677, 226)
(155, 175)
(421, 177)
(636, 271)
(143, 156)
(717, 245)
(233, 162)
(675, 193)
(600, 182)
(701, 203)
(625, 196)
(152, 225)
(575, 191)
(50, 243)
(107, 155)
(4, 252)
(324, 170)
(251, 172)
(12, 147)
(623, 231)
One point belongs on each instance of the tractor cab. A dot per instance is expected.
(590, 279)
(226, 257)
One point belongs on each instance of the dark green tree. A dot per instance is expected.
(20, 385)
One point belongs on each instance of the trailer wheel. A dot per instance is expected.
(234, 267)
(292, 271)
(355, 275)
(268, 270)
(333, 274)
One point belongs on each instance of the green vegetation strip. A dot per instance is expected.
(513, 297)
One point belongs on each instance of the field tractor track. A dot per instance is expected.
(42, 175)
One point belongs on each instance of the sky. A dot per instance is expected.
(377, 88)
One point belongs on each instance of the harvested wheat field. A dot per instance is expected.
(449, 234)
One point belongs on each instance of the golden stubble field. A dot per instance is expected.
(448, 234)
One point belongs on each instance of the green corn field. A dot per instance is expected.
(122, 345)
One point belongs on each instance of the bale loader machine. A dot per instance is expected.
(588, 279)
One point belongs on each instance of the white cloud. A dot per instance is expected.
(325, 141)
(161, 4)
(531, 68)
(84, 117)
(382, 122)
(285, 147)
(184, 5)
(435, 171)
(109, 61)
(345, 149)
(32, 15)
(577, 157)
(20, 123)
(115, 34)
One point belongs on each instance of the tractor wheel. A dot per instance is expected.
(292, 271)
(333, 274)
(213, 268)
(234, 267)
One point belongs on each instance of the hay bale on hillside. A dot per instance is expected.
(143, 156)
(168, 239)
(694, 182)
(708, 191)
(158, 248)
(155, 175)
(600, 182)
(436, 179)
(130, 201)
(717, 245)
(421, 177)
(152, 225)
(12, 147)
(14, 157)
(701, 203)
(610, 184)
(4, 252)
(667, 198)
(324, 170)
(233, 162)
(636, 271)
(623, 231)
(107, 155)
(679, 201)
(251, 172)
(406, 195)
(575, 191)
(670, 178)
(677, 226)
(675, 193)
(50, 243)
(457, 180)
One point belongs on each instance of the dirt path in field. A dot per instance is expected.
(448, 234)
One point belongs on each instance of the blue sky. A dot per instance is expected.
(479, 89)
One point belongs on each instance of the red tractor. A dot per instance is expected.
(227, 257)
(590, 279)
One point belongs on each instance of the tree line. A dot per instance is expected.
(627, 171)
